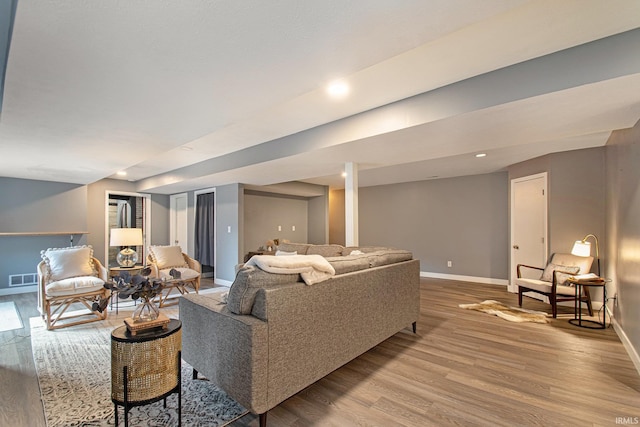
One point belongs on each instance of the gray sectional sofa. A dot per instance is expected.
(274, 335)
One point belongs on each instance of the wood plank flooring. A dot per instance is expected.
(462, 368)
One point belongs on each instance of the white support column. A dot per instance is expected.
(351, 204)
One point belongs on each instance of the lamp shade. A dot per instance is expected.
(125, 237)
(581, 248)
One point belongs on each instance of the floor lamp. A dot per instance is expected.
(583, 248)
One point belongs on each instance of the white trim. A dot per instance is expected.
(223, 282)
(631, 351)
(19, 290)
(487, 280)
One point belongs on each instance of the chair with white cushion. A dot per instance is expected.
(552, 282)
(68, 276)
(162, 259)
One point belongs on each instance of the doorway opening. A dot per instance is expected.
(127, 210)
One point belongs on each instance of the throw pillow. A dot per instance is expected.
(285, 253)
(64, 263)
(167, 257)
(547, 274)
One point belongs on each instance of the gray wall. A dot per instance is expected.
(30, 206)
(264, 212)
(623, 229)
(229, 245)
(463, 220)
(318, 220)
(42, 206)
(576, 196)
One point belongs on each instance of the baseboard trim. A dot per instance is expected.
(486, 280)
(223, 282)
(19, 290)
(633, 354)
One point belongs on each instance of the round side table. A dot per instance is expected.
(577, 310)
(145, 367)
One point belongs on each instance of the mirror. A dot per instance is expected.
(127, 210)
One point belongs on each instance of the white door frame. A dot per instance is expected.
(512, 264)
(146, 235)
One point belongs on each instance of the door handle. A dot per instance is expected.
(516, 247)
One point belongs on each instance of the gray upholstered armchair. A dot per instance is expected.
(552, 282)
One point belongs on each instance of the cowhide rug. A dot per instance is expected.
(512, 314)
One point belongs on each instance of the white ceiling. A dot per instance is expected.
(190, 94)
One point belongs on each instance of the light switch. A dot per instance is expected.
(293, 228)
(279, 228)
(228, 229)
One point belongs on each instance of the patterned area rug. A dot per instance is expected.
(512, 314)
(74, 371)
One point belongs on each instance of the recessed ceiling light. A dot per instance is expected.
(121, 173)
(338, 89)
(344, 174)
(481, 155)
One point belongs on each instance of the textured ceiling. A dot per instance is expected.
(190, 94)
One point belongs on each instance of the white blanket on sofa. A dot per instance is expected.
(312, 268)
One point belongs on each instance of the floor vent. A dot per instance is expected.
(26, 279)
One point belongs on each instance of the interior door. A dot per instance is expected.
(528, 225)
(178, 234)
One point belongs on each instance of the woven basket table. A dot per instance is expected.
(145, 367)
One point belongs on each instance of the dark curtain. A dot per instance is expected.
(205, 233)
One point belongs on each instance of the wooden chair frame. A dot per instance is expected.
(552, 295)
(53, 308)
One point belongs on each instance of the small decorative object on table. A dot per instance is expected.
(139, 286)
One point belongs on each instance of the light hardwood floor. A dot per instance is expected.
(462, 368)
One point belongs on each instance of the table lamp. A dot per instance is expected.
(126, 237)
(583, 248)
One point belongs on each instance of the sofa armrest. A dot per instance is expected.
(229, 350)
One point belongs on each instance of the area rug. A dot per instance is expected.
(74, 372)
(9, 317)
(512, 314)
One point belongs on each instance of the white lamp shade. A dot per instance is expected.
(581, 248)
(126, 237)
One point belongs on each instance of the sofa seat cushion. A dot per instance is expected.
(185, 273)
(388, 256)
(249, 280)
(542, 286)
(347, 264)
(325, 250)
(74, 286)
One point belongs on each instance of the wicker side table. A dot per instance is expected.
(145, 367)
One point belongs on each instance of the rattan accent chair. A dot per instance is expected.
(552, 280)
(161, 259)
(70, 278)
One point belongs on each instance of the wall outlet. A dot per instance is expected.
(449, 264)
